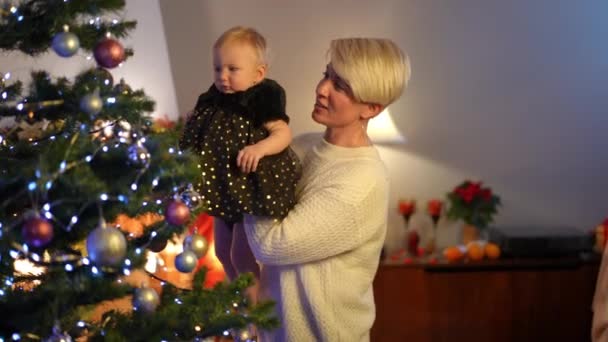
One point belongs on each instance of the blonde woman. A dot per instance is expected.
(318, 263)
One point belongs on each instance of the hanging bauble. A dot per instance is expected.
(177, 213)
(197, 244)
(109, 53)
(122, 88)
(106, 246)
(58, 336)
(91, 103)
(157, 244)
(146, 299)
(243, 334)
(186, 261)
(190, 197)
(96, 78)
(138, 155)
(65, 44)
(37, 232)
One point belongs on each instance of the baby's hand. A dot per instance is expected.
(249, 157)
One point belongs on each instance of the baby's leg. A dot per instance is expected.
(242, 256)
(243, 259)
(223, 235)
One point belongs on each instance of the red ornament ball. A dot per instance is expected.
(109, 53)
(37, 232)
(177, 213)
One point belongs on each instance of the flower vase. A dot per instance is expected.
(473, 233)
(469, 233)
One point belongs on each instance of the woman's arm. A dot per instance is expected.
(278, 139)
(325, 222)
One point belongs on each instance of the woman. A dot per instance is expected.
(318, 263)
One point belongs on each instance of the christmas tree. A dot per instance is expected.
(76, 156)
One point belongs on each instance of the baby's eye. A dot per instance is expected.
(217, 69)
(234, 68)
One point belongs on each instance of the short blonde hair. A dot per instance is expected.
(376, 70)
(244, 35)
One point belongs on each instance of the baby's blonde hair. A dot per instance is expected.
(244, 35)
(376, 70)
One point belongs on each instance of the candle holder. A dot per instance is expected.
(434, 208)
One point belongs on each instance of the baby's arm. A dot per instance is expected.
(278, 139)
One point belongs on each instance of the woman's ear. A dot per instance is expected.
(372, 110)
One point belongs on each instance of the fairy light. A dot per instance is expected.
(20, 106)
(86, 261)
(126, 271)
(134, 187)
(31, 186)
(103, 197)
(110, 100)
(48, 185)
(69, 267)
(171, 150)
(94, 270)
(4, 95)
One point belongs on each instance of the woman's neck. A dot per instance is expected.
(347, 136)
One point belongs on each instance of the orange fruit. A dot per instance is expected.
(453, 253)
(492, 250)
(475, 251)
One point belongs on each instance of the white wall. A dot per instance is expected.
(149, 68)
(509, 92)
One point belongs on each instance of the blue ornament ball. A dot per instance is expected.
(186, 261)
(65, 44)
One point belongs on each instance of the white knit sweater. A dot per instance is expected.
(318, 264)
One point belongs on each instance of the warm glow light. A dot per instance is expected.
(382, 130)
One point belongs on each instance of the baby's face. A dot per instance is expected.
(236, 67)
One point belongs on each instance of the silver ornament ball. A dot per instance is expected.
(186, 261)
(138, 155)
(146, 299)
(106, 246)
(190, 197)
(197, 244)
(91, 103)
(65, 44)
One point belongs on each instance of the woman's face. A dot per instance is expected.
(335, 106)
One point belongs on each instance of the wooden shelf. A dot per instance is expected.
(502, 300)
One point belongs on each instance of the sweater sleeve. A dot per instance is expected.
(337, 217)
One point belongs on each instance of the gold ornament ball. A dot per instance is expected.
(106, 246)
(146, 299)
(197, 244)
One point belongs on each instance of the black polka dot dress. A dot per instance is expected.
(220, 126)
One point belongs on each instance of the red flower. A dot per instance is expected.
(407, 207)
(473, 203)
(434, 207)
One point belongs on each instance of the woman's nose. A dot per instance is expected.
(323, 87)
